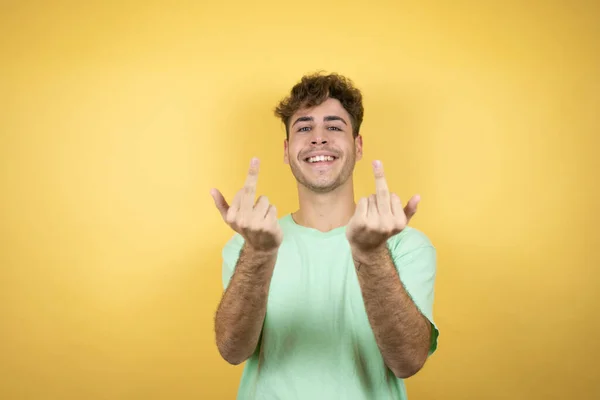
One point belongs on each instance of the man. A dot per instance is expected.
(333, 301)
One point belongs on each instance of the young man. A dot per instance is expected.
(333, 301)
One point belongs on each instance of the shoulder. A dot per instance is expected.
(410, 239)
(413, 252)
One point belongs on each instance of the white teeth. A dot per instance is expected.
(320, 158)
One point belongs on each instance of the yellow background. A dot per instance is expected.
(116, 119)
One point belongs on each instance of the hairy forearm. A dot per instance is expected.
(401, 331)
(241, 312)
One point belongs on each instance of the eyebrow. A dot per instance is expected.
(327, 118)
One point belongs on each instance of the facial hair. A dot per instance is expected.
(325, 183)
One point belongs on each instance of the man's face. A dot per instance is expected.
(321, 150)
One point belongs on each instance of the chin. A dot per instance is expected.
(320, 185)
(320, 177)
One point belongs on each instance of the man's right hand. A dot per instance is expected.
(256, 222)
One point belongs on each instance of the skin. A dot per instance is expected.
(241, 312)
(326, 201)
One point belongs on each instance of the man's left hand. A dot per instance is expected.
(378, 217)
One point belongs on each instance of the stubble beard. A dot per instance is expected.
(324, 183)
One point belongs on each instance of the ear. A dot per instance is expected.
(358, 146)
(286, 159)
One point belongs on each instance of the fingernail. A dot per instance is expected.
(254, 162)
(377, 164)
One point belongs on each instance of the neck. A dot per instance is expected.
(325, 211)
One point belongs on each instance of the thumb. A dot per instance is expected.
(411, 207)
(220, 202)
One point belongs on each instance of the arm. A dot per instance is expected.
(241, 312)
(402, 332)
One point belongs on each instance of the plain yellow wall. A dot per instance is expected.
(117, 118)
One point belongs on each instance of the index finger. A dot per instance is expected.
(381, 187)
(250, 184)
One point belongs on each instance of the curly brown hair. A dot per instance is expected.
(314, 89)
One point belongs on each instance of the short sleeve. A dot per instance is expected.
(230, 254)
(416, 262)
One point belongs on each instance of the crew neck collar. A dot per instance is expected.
(289, 221)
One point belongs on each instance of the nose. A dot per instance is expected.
(319, 136)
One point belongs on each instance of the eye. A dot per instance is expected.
(335, 128)
(304, 129)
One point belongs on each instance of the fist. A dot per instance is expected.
(378, 217)
(256, 221)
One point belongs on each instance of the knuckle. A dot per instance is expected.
(386, 228)
(243, 223)
(230, 217)
(398, 226)
(371, 226)
(256, 226)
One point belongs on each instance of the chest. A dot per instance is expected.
(316, 285)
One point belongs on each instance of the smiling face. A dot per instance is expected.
(321, 149)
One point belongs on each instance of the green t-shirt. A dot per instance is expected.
(316, 341)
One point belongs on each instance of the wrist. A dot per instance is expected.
(370, 256)
(260, 255)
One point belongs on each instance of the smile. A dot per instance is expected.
(316, 159)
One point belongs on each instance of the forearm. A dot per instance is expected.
(241, 312)
(401, 331)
